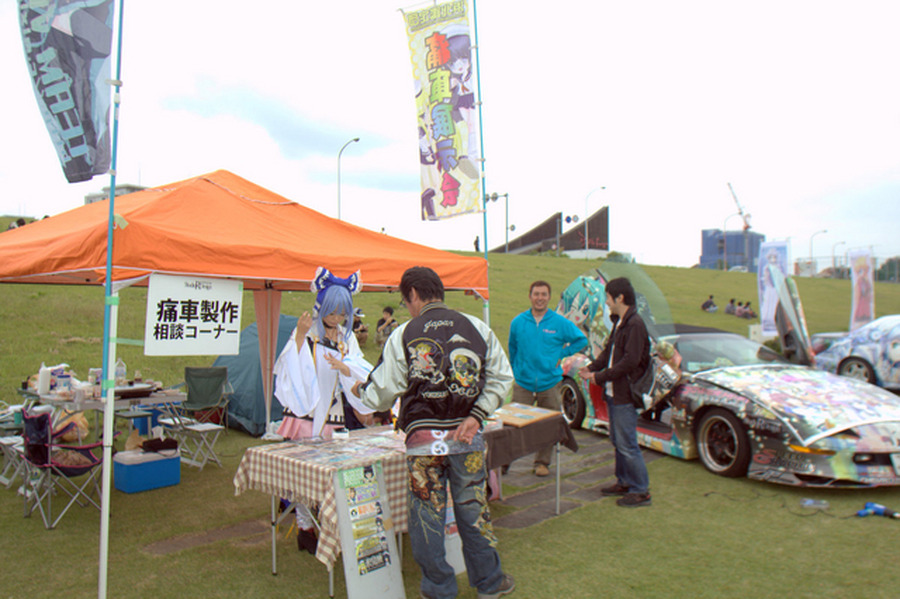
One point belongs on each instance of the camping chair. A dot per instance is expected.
(208, 392)
(52, 467)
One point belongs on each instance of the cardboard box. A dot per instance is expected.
(516, 414)
(135, 471)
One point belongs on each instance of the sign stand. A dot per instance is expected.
(368, 542)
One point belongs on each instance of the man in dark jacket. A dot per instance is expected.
(625, 356)
(450, 372)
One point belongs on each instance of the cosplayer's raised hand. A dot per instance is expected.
(304, 323)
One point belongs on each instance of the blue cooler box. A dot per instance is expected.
(135, 471)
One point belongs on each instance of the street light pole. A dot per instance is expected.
(833, 261)
(494, 197)
(586, 219)
(725, 241)
(811, 250)
(339, 173)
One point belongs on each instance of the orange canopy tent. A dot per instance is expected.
(221, 225)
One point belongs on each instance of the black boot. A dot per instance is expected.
(306, 539)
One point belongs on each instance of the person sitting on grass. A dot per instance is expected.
(730, 307)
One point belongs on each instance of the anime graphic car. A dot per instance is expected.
(871, 353)
(744, 410)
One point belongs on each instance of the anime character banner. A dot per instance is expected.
(773, 260)
(862, 268)
(67, 45)
(441, 51)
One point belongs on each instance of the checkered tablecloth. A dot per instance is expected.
(304, 471)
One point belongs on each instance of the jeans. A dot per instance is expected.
(549, 399)
(428, 476)
(630, 468)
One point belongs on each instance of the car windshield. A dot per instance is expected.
(704, 351)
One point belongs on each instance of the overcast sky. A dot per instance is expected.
(795, 103)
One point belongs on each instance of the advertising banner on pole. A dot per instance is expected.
(773, 260)
(192, 316)
(862, 268)
(67, 46)
(443, 72)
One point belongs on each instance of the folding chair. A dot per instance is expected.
(53, 467)
(196, 440)
(13, 449)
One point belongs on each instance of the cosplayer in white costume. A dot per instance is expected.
(316, 371)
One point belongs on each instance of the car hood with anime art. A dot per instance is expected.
(814, 404)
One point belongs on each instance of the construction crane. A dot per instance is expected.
(745, 216)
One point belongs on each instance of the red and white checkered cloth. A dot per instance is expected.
(304, 471)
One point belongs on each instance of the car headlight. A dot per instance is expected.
(810, 450)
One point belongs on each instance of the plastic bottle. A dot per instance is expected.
(43, 380)
(121, 373)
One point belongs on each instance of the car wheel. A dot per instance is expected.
(723, 443)
(857, 368)
(572, 400)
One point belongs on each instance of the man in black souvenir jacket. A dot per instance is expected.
(450, 373)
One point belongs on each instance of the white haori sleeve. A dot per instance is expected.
(359, 372)
(296, 384)
(327, 384)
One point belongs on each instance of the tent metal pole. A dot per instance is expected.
(110, 324)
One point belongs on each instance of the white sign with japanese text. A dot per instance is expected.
(192, 316)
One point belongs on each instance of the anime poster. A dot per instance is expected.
(773, 258)
(367, 519)
(862, 268)
(67, 45)
(443, 72)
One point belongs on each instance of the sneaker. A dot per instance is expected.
(541, 470)
(616, 489)
(507, 586)
(634, 500)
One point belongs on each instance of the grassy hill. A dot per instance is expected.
(54, 324)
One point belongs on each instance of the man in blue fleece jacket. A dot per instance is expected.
(538, 339)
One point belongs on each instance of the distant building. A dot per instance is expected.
(737, 249)
(121, 190)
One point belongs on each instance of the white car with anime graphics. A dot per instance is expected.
(741, 408)
(871, 353)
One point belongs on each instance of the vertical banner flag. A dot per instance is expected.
(441, 50)
(862, 267)
(773, 260)
(67, 47)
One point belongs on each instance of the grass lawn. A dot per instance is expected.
(704, 536)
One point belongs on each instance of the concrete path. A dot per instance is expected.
(583, 474)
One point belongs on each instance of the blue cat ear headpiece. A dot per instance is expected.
(325, 278)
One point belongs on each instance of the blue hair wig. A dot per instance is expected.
(336, 298)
